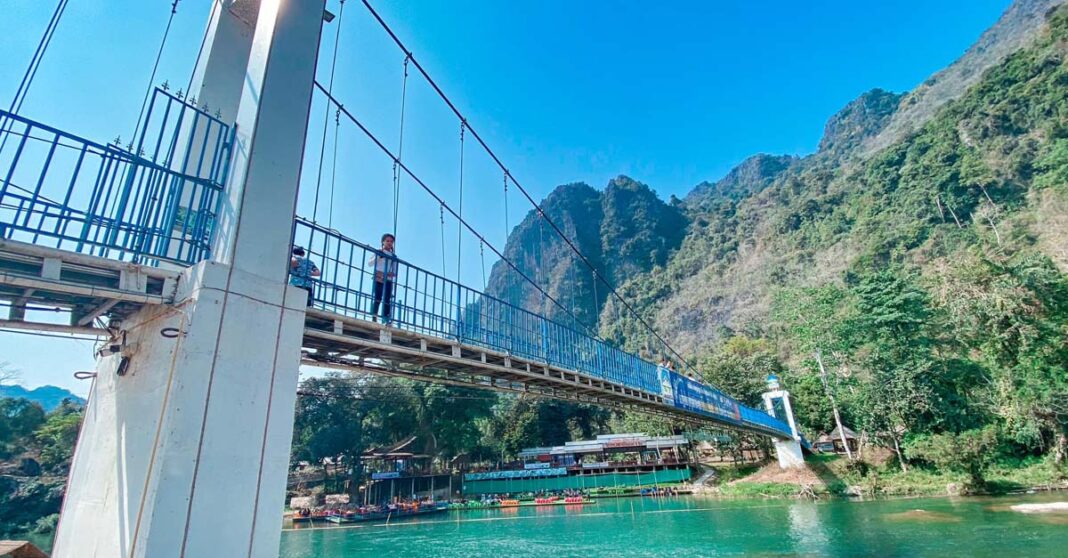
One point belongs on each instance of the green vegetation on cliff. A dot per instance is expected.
(930, 275)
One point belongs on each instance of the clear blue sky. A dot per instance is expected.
(670, 95)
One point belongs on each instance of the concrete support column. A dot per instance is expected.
(186, 454)
(789, 454)
(789, 450)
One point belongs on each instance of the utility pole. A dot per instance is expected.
(834, 406)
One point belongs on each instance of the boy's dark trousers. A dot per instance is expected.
(382, 293)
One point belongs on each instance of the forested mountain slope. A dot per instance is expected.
(624, 230)
(930, 273)
(929, 276)
(987, 171)
(1017, 28)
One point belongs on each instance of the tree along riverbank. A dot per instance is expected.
(835, 476)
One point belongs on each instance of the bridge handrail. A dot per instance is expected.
(426, 302)
(104, 200)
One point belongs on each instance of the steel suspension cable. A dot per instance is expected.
(441, 210)
(571, 270)
(326, 114)
(459, 226)
(596, 301)
(539, 272)
(35, 60)
(507, 229)
(333, 171)
(31, 69)
(523, 190)
(155, 68)
(482, 254)
(215, 5)
(444, 206)
(400, 142)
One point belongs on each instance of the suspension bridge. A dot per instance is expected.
(167, 250)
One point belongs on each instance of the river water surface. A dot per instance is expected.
(695, 526)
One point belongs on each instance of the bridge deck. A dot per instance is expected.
(73, 220)
(91, 287)
(336, 340)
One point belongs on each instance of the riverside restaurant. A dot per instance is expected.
(612, 460)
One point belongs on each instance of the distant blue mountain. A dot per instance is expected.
(48, 396)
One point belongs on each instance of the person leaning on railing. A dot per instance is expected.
(302, 272)
(384, 263)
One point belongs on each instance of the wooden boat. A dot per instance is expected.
(314, 516)
(354, 517)
(569, 501)
(537, 502)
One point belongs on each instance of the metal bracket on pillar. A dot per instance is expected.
(170, 288)
(51, 268)
(133, 280)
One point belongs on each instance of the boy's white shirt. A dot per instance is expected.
(380, 262)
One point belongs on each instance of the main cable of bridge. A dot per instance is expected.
(31, 70)
(445, 206)
(541, 213)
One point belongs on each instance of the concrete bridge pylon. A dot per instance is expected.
(777, 403)
(186, 439)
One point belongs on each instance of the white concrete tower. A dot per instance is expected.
(185, 455)
(788, 451)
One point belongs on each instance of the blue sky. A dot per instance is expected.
(670, 95)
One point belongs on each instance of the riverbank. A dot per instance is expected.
(835, 476)
(701, 526)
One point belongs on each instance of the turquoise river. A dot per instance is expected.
(695, 526)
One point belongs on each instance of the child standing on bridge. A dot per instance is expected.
(385, 266)
(301, 272)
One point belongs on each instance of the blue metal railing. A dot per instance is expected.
(428, 303)
(155, 200)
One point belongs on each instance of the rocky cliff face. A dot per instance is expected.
(1018, 27)
(750, 177)
(860, 120)
(623, 230)
(984, 172)
(974, 154)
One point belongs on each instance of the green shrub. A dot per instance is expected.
(971, 452)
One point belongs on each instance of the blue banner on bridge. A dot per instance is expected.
(691, 395)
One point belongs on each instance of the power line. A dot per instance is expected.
(526, 194)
